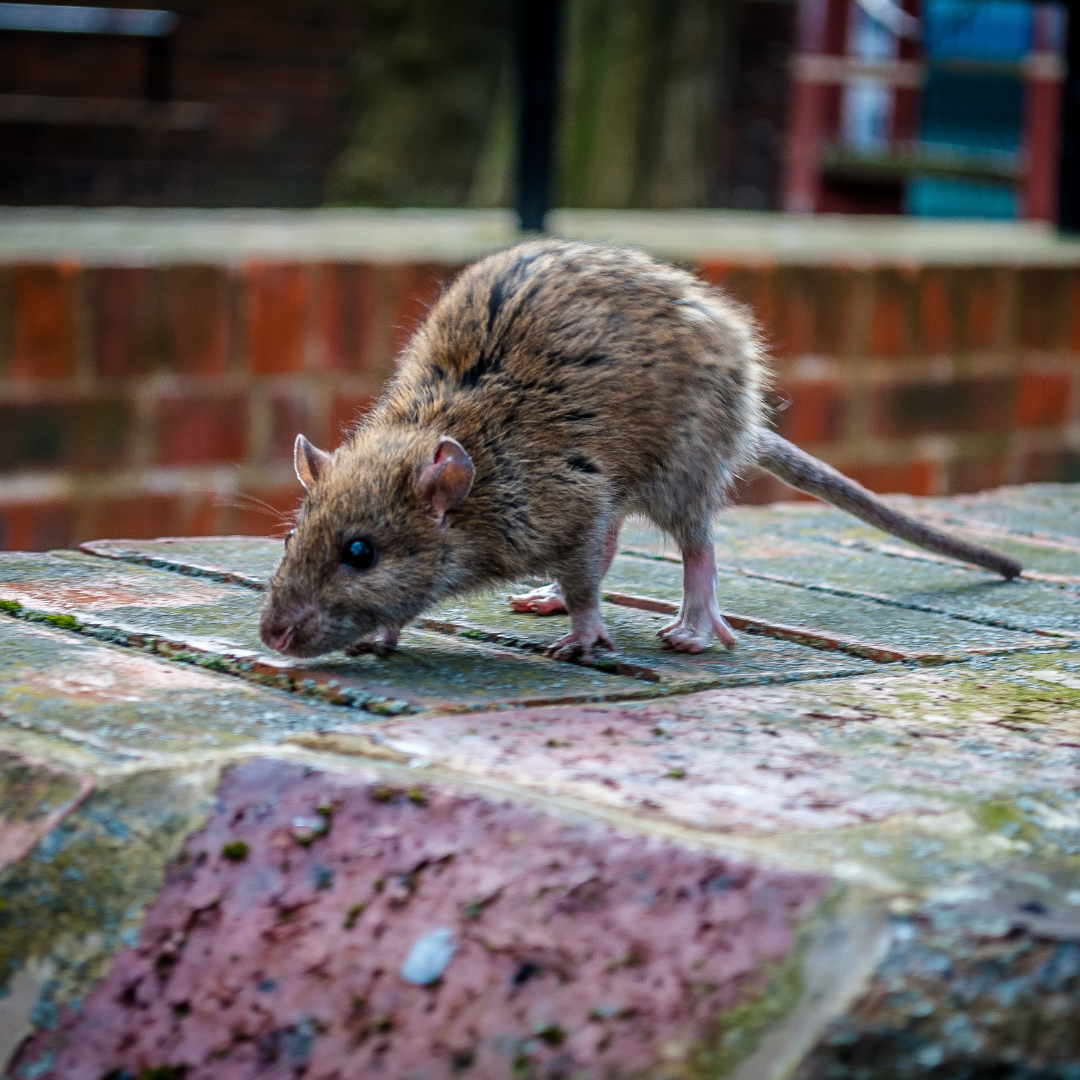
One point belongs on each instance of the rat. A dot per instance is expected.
(554, 389)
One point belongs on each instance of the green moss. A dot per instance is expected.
(63, 622)
(740, 1029)
(237, 851)
(80, 894)
(10, 607)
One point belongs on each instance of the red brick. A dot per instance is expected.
(814, 311)
(796, 314)
(277, 298)
(715, 272)
(975, 474)
(910, 477)
(1054, 466)
(756, 288)
(35, 526)
(816, 412)
(1042, 400)
(193, 431)
(1043, 304)
(197, 315)
(968, 405)
(347, 309)
(345, 411)
(937, 321)
(1073, 343)
(985, 309)
(44, 344)
(123, 307)
(75, 435)
(135, 517)
(288, 418)
(893, 318)
(417, 287)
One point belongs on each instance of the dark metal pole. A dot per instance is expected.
(1069, 189)
(538, 23)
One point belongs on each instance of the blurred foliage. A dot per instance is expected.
(434, 104)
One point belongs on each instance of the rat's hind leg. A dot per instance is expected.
(549, 599)
(699, 615)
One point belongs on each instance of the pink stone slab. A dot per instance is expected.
(578, 950)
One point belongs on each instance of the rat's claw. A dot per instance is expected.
(547, 600)
(572, 647)
(693, 635)
(381, 644)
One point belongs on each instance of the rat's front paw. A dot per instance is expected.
(382, 643)
(578, 647)
(547, 600)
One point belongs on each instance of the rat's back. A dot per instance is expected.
(590, 360)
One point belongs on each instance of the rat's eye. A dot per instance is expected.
(358, 553)
(289, 536)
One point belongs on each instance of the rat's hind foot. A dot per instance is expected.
(693, 635)
(382, 643)
(586, 634)
(547, 600)
(699, 617)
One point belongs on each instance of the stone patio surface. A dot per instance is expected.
(849, 850)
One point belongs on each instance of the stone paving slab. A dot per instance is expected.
(123, 705)
(215, 624)
(461, 670)
(815, 858)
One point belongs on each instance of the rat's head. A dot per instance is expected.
(371, 546)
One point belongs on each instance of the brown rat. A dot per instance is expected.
(554, 389)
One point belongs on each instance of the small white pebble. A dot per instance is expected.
(429, 956)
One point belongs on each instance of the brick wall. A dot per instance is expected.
(146, 401)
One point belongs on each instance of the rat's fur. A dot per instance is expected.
(585, 383)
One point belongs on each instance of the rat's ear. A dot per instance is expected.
(309, 461)
(447, 481)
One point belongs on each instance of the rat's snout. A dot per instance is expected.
(286, 632)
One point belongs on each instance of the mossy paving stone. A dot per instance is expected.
(1035, 510)
(124, 705)
(919, 635)
(220, 619)
(814, 560)
(807, 556)
(216, 624)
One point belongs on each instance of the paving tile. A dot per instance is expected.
(822, 551)
(215, 623)
(907, 634)
(280, 936)
(637, 649)
(1033, 509)
(487, 617)
(126, 706)
(247, 560)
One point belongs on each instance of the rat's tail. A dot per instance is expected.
(805, 473)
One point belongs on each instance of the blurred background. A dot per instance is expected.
(219, 221)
